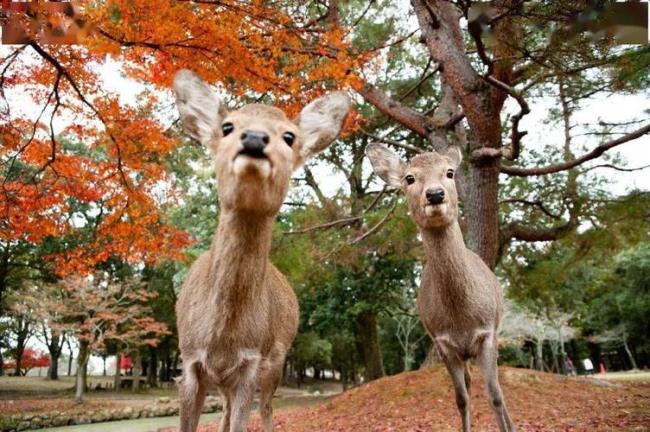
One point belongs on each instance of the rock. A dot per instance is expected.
(127, 411)
(163, 400)
(60, 420)
(23, 425)
(36, 423)
(82, 420)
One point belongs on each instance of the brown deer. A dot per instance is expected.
(236, 314)
(460, 301)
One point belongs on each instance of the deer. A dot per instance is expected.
(236, 313)
(460, 300)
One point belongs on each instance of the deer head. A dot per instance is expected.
(256, 148)
(427, 181)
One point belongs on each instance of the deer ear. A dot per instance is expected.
(320, 122)
(386, 164)
(454, 154)
(200, 109)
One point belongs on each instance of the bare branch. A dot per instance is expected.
(393, 142)
(538, 204)
(595, 153)
(410, 118)
(516, 230)
(617, 168)
(524, 109)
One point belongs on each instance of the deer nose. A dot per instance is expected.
(435, 195)
(254, 143)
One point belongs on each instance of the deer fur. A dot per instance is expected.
(460, 300)
(236, 313)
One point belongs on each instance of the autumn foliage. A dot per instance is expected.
(30, 359)
(80, 147)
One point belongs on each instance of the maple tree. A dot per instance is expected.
(30, 359)
(251, 50)
(96, 310)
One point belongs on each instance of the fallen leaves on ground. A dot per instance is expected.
(67, 405)
(424, 401)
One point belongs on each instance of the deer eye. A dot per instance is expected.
(450, 173)
(226, 128)
(289, 138)
(410, 179)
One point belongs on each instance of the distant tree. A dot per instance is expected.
(621, 310)
(95, 310)
(30, 359)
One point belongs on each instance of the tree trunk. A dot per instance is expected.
(137, 370)
(55, 347)
(21, 340)
(117, 378)
(539, 354)
(482, 211)
(71, 357)
(152, 368)
(563, 368)
(367, 333)
(629, 353)
(53, 370)
(82, 363)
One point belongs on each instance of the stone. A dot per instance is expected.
(82, 420)
(23, 425)
(163, 400)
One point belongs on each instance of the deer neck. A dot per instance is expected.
(239, 256)
(447, 263)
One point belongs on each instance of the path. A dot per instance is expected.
(137, 425)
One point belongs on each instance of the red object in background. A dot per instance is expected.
(31, 359)
(126, 362)
(602, 367)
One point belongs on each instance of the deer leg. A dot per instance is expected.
(192, 393)
(488, 364)
(468, 380)
(456, 368)
(244, 391)
(269, 383)
(224, 424)
(241, 407)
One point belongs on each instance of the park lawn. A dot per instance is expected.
(424, 401)
(19, 395)
(67, 405)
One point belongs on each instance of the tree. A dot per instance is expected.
(120, 178)
(29, 359)
(480, 67)
(95, 310)
(621, 308)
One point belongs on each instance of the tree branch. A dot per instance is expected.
(524, 109)
(595, 153)
(410, 118)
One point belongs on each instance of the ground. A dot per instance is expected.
(423, 401)
(20, 395)
(414, 401)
